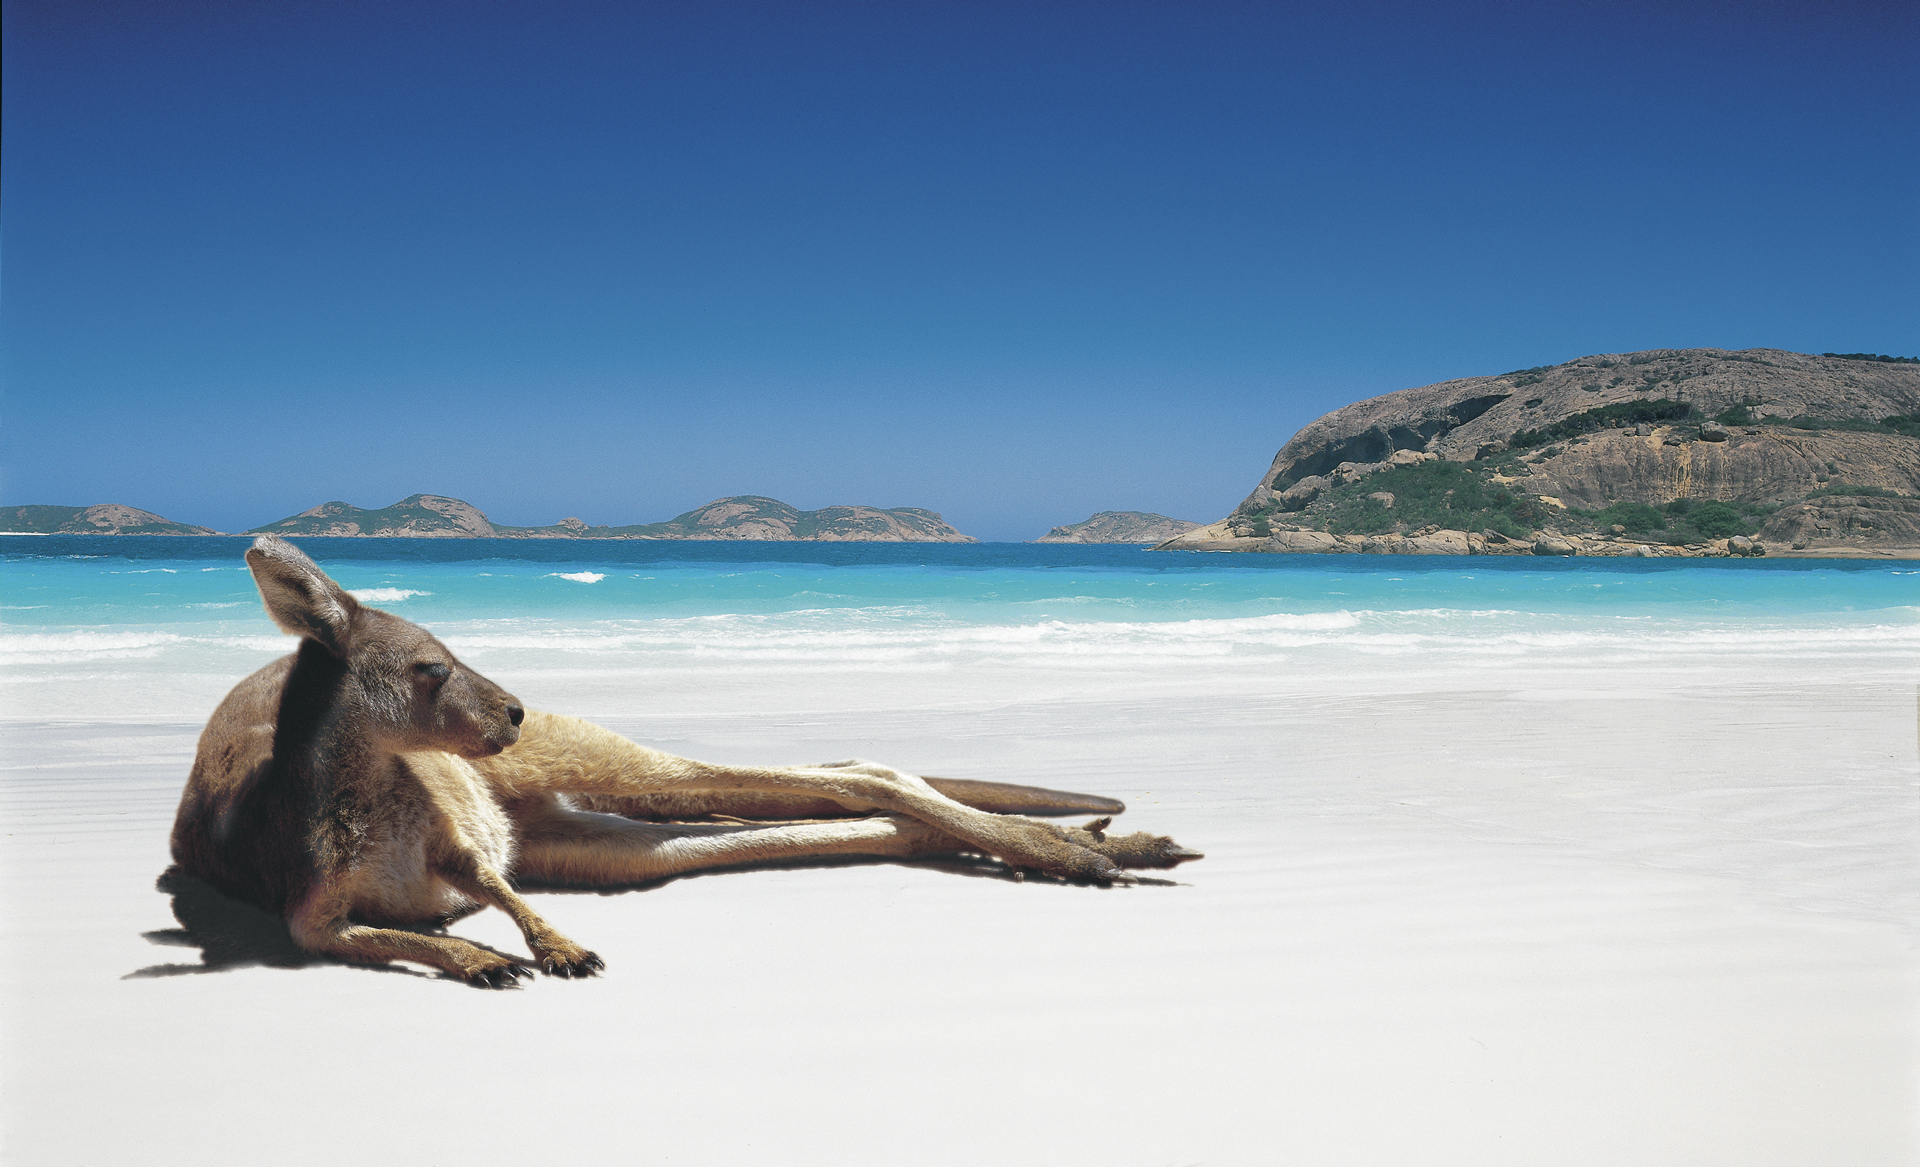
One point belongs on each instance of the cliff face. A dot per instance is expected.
(1760, 429)
(432, 516)
(109, 518)
(1119, 527)
(1759, 464)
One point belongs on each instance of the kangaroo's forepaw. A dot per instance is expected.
(570, 960)
(1138, 850)
(505, 974)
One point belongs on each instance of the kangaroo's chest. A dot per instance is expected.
(437, 807)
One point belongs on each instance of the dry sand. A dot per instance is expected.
(1636, 925)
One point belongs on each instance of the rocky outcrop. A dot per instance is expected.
(1761, 428)
(109, 518)
(1217, 537)
(1754, 464)
(1119, 527)
(1842, 522)
(432, 516)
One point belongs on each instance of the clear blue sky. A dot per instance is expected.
(1015, 262)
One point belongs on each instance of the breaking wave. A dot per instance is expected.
(384, 595)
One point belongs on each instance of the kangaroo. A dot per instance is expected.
(371, 789)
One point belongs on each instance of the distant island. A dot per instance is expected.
(432, 516)
(746, 516)
(1687, 452)
(1119, 527)
(108, 518)
(1664, 452)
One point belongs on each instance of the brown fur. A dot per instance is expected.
(370, 784)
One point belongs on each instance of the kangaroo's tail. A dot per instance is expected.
(1007, 798)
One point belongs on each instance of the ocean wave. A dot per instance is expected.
(25, 648)
(1440, 634)
(29, 648)
(913, 636)
(384, 595)
(578, 576)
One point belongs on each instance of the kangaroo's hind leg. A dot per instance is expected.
(563, 754)
(564, 845)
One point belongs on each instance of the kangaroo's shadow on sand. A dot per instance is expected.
(231, 934)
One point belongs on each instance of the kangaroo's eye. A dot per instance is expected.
(438, 672)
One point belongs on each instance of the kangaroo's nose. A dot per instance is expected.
(516, 714)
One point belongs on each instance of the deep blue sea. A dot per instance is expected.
(87, 619)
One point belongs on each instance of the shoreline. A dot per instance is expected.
(1222, 537)
(1435, 543)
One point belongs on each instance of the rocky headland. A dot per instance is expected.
(107, 518)
(1667, 452)
(751, 517)
(1119, 527)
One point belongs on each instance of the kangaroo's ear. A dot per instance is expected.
(299, 596)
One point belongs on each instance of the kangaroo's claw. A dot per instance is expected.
(576, 963)
(502, 976)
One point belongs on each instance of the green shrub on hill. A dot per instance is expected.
(1637, 517)
(1718, 520)
(1452, 494)
(1619, 413)
(1858, 491)
(1464, 497)
(1901, 424)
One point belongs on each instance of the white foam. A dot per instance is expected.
(384, 595)
(578, 576)
(33, 648)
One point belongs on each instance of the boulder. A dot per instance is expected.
(1302, 541)
(1297, 496)
(1438, 543)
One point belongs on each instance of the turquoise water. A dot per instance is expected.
(87, 614)
(62, 581)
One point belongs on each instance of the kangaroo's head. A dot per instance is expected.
(399, 688)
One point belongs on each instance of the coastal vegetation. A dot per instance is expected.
(1905, 425)
(1473, 497)
(1612, 416)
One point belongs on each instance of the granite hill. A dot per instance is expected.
(1670, 451)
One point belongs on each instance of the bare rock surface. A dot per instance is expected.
(1839, 521)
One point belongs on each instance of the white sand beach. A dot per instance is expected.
(1664, 918)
